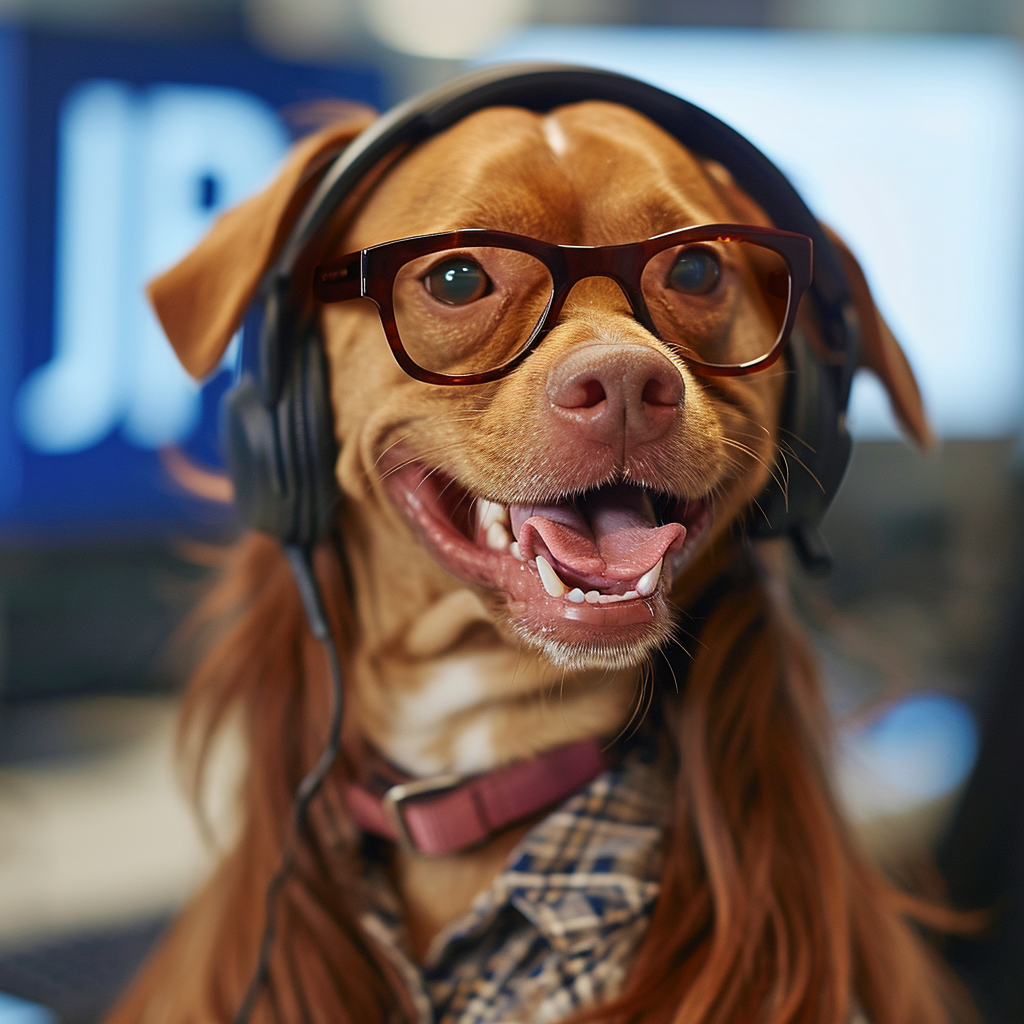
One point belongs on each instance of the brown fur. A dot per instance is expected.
(768, 911)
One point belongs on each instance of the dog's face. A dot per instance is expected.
(527, 537)
(603, 463)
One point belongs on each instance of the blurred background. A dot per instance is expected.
(126, 126)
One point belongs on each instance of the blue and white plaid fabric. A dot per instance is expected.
(558, 929)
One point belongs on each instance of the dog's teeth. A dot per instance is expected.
(575, 595)
(600, 598)
(552, 584)
(497, 537)
(649, 581)
(592, 596)
(490, 512)
(515, 551)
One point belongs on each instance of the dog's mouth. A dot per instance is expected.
(589, 570)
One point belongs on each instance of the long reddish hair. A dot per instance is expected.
(768, 912)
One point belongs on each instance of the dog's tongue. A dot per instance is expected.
(613, 534)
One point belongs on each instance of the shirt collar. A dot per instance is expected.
(591, 865)
(596, 861)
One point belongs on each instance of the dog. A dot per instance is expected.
(705, 874)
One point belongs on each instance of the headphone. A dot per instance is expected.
(277, 421)
(277, 424)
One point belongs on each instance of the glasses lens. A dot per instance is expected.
(463, 311)
(723, 302)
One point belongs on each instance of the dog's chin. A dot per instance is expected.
(582, 578)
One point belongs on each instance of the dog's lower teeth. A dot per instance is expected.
(649, 581)
(629, 595)
(515, 552)
(552, 584)
(556, 588)
(497, 537)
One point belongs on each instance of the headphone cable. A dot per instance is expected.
(300, 558)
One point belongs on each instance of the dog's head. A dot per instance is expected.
(574, 493)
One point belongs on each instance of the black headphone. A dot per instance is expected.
(278, 434)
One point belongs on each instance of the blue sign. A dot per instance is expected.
(18, 1011)
(115, 161)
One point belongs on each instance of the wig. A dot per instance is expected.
(768, 912)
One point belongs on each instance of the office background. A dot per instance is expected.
(126, 127)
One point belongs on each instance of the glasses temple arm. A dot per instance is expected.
(339, 280)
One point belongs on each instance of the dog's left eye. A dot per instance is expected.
(458, 281)
(695, 272)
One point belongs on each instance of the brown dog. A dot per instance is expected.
(462, 656)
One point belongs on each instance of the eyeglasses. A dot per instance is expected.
(466, 307)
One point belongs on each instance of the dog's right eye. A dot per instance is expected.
(458, 281)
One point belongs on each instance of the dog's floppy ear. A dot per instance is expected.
(200, 301)
(881, 353)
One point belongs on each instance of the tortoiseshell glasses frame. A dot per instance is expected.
(370, 273)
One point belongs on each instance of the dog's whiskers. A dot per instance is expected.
(674, 638)
(397, 469)
(398, 441)
(426, 476)
(784, 449)
(781, 480)
(788, 452)
(419, 457)
(644, 700)
(664, 657)
(561, 698)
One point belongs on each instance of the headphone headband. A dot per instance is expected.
(542, 87)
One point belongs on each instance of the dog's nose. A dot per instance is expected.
(616, 394)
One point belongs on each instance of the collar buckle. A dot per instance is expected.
(395, 798)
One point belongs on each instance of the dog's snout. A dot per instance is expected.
(616, 394)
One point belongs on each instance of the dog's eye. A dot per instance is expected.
(458, 281)
(695, 272)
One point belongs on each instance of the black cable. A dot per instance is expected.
(301, 561)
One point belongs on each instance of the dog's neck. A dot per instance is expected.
(452, 696)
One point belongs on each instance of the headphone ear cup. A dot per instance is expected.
(249, 442)
(306, 419)
(282, 458)
(815, 449)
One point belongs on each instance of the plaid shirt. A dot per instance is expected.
(559, 926)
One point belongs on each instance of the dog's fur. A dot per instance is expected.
(767, 912)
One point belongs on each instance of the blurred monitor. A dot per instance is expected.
(912, 147)
(115, 158)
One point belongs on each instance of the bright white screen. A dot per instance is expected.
(911, 147)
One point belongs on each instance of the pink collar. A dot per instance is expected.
(449, 813)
